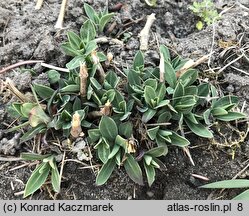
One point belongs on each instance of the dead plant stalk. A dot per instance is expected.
(59, 23)
(144, 34)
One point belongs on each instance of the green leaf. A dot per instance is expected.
(74, 40)
(243, 196)
(164, 117)
(33, 156)
(152, 133)
(108, 128)
(44, 92)
(26, 108)
(199, 129)
(71, 89)
(126, 129)
(189, 77)
(219, 111)
(103, 152)
(178, 93)
(170, 75)
(105, 171)
(112, 79)
(114, 151)
(104, 20)
(165, 51)
(149, 95)
(138, 61)
(150, 173)
(38, 116)
(162, 104)
(76, 104)
(90, 12)
(75, 62)
(231, 116)
(133, 169)
(37, 179)
(121, 142)
(157, 151)
(151, 82)
(68, 50)
(191, 117)
(55, 179)
(178, 140)
(53, 76)
(206, 116)
(33, 132)
(95, 83)
(235, 183)
(134, 78)
(90, 47)
(94, 134)
(161, 91)
(87, 31)
(148, 115)
(225, 101)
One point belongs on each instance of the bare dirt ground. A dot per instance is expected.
(29, 34)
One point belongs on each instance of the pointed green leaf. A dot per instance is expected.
(149, 95)
(133, 169)
(242, 196)
(178, 140)
(68, 50)
(126, 129)
(121, 142)
(53, 76)
(74, 40)
(90, 12)
(87, 31)
(189, 77)
(231, 116)
(219, 111)
(114, 151)
(148, 115)
(37, 179)
(104, 20)
(90, 47)
(105, 171)
(103, 152)
(33, 156)
(150, 173)
(55, 179)
(138, 61)
(26, 108)
(235, 183)
(199, 129)
(108, 128)
(226, 100)
(152, 133)
(75, 62)
(157, 151)
(44, 92)
(178, 93)
(71, 89)
(165, 51)
(33, 132)
(170, 75)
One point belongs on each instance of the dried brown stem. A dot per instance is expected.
(76, 129)
(18, 64)
(191, 64)
(100, 69)
(144, 34)
(59, 23)
(83, 79)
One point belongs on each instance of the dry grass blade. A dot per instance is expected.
(59, 23)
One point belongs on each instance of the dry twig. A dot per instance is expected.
(38, 4)
(144, 34)
(59, 23)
